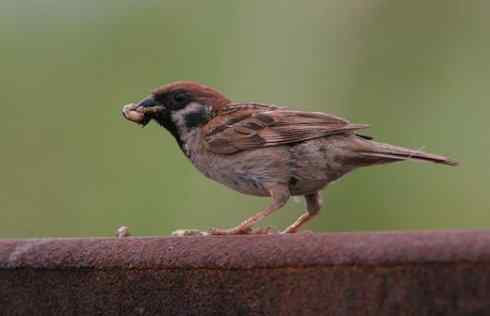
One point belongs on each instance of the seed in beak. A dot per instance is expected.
(130, 113)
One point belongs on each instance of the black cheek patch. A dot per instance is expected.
(195, 119)
(293, 181)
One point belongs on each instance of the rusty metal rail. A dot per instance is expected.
(421, 273)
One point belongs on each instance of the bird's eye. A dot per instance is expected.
(180, 97)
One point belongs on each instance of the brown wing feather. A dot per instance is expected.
(256, 125)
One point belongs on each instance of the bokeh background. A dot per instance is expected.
(417, 71)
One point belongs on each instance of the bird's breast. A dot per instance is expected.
(247, 172)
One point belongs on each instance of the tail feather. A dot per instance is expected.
(391, 153)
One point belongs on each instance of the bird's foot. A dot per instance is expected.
(295, 231)
(230, 231)
(289, 230)
(241, 231)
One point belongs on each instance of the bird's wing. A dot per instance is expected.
(249, 126)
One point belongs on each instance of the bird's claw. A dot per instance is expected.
(241, 231)
(230, 231)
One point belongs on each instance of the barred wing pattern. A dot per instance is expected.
(249, 126)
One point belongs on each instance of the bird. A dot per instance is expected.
(264, 149)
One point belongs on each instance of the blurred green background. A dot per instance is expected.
(417, 71)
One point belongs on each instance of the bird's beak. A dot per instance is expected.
(142, 112)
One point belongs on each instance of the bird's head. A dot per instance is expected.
(178, 104)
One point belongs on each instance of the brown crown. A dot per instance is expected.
(200, 93)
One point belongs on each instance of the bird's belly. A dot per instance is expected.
(248, 172)
(244, 183)
(303, 187)
(237, 178)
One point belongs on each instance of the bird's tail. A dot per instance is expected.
(374, 152)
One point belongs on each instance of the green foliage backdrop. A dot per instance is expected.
(417, 71)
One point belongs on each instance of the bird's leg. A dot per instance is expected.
(279, 195)
(313, 205)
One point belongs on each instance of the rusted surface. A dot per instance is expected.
(423, 273)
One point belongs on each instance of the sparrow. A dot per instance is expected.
(263, 149)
